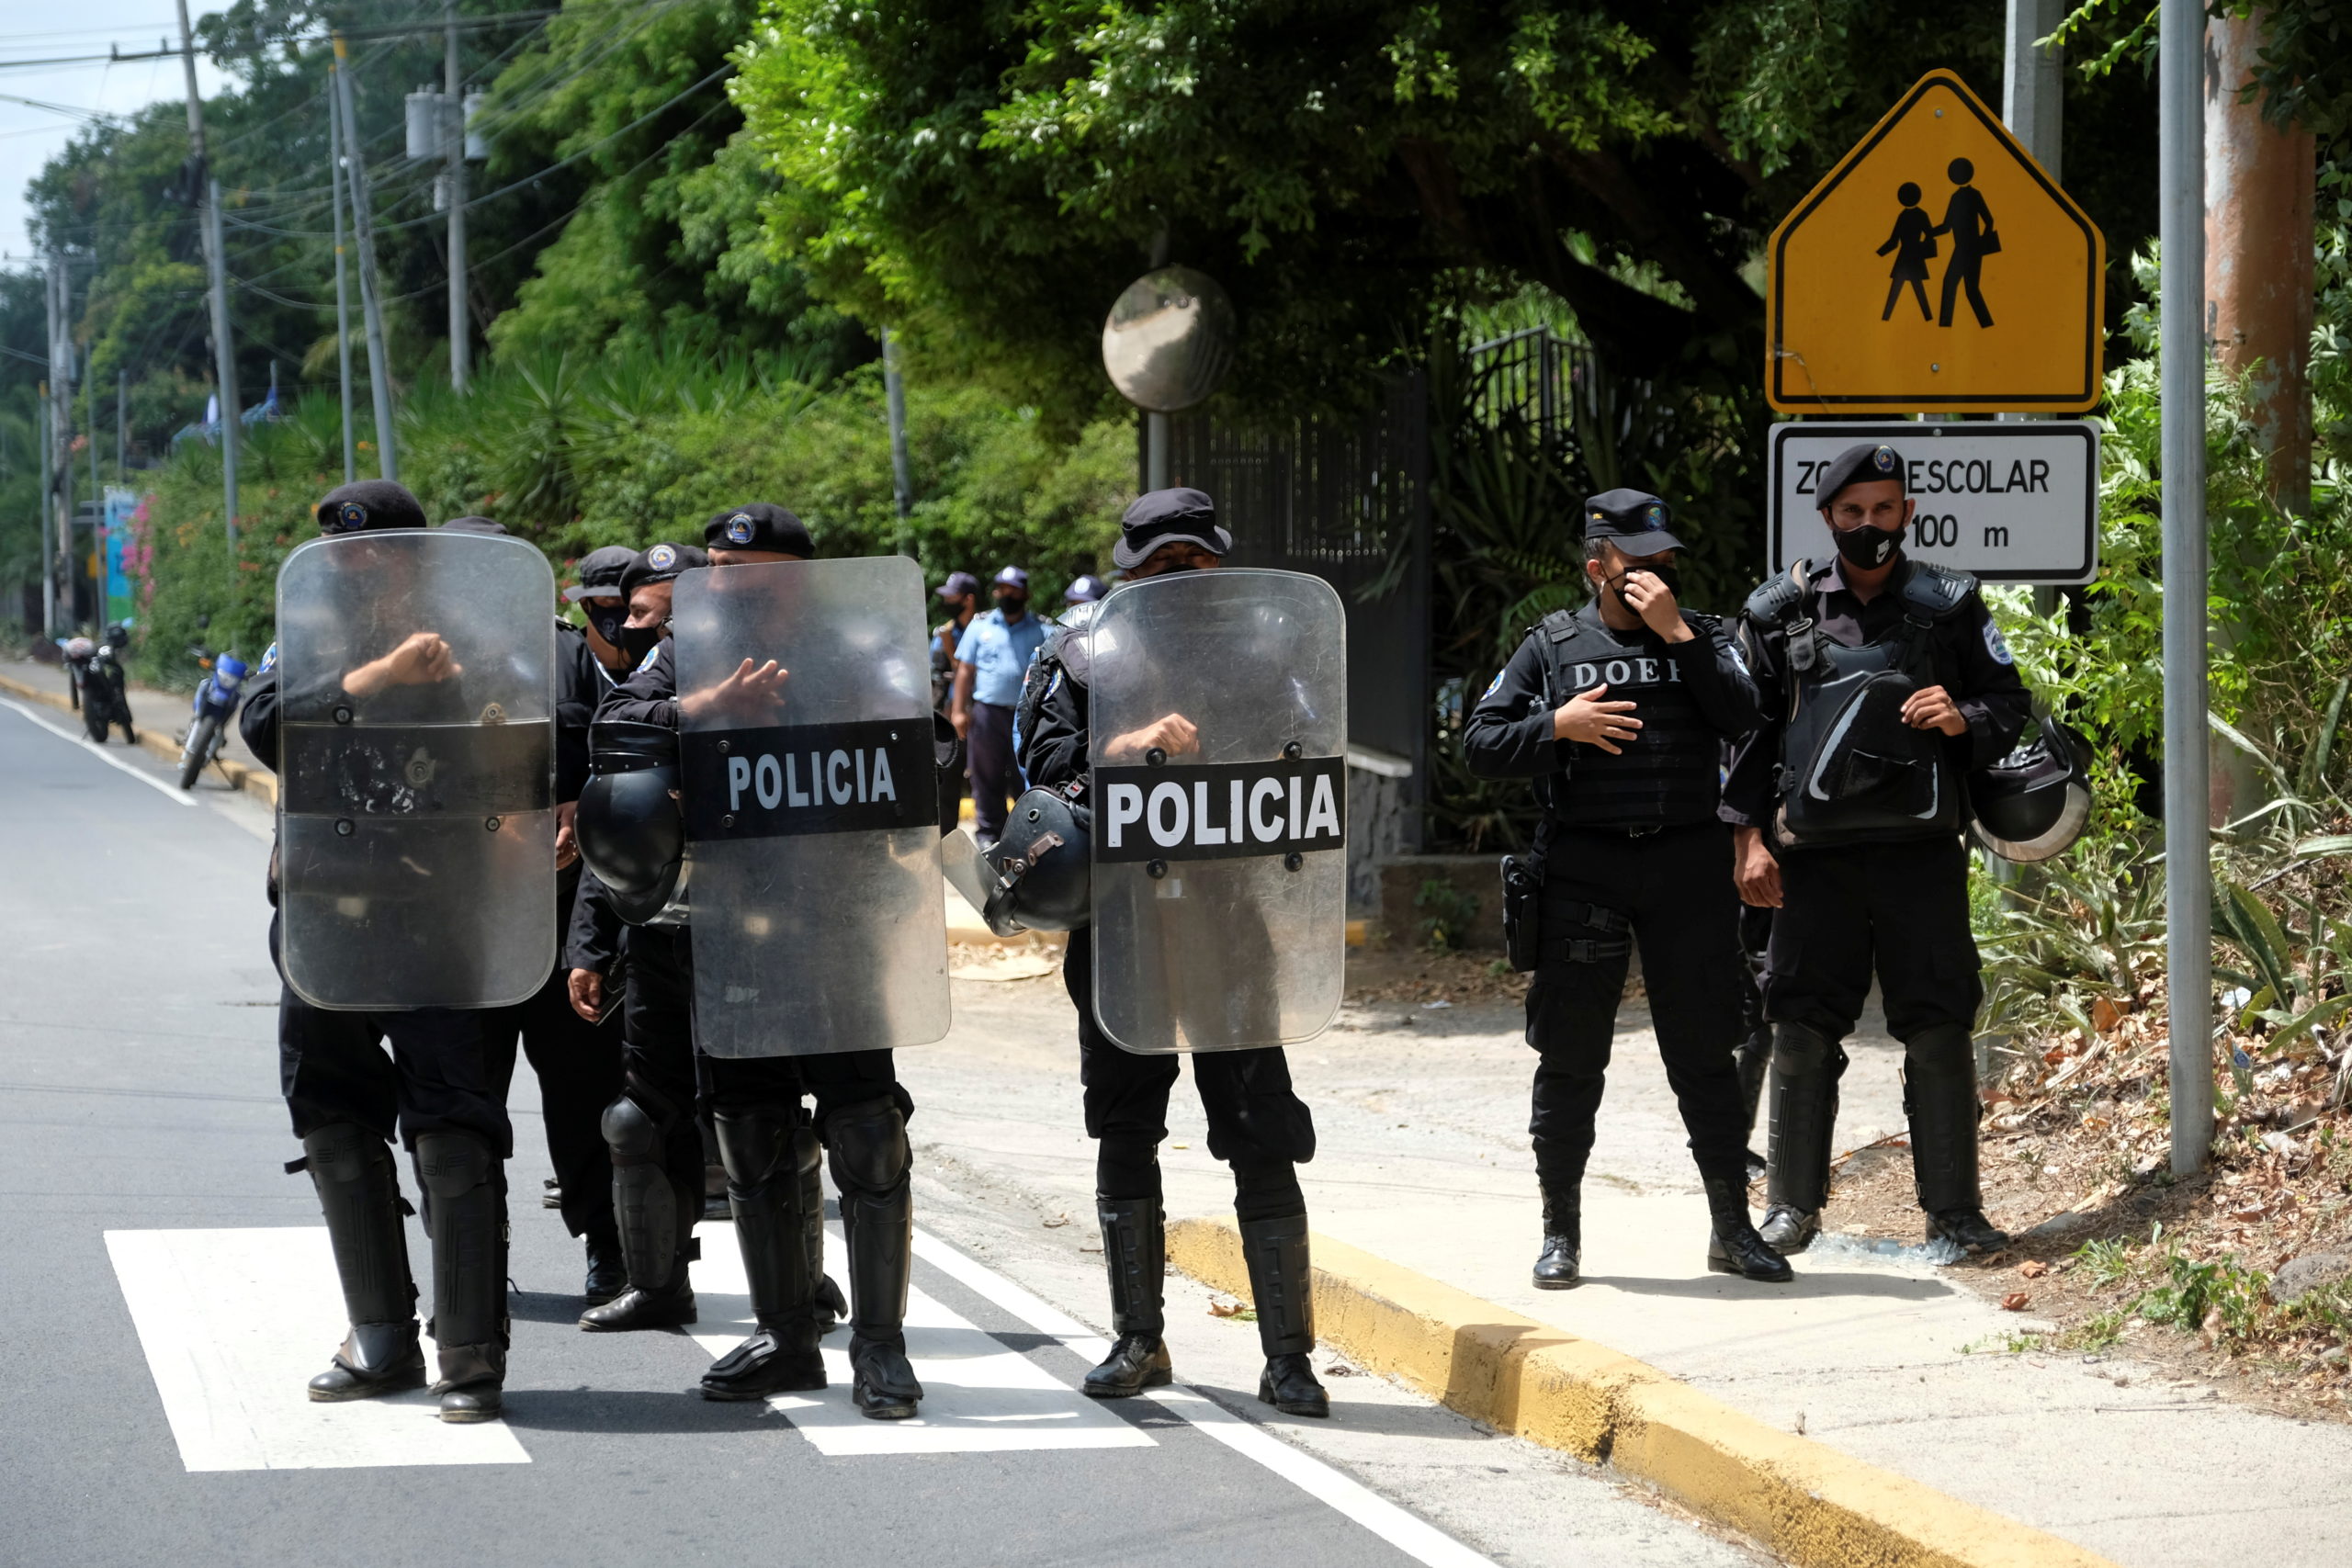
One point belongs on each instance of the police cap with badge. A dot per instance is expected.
(365, 506)
(1634, 520)
(660, 563)
(762, 525)
(1869, 463)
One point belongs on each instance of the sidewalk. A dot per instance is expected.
(1423, 1162)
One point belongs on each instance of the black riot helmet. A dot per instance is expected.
(1039, 876)
(2034, 801)
(631, 831)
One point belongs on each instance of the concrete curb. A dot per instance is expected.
(253, 780)
(1800, 1499)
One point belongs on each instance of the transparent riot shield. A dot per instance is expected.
(416, 769)
(812, 808)
(1218, 735)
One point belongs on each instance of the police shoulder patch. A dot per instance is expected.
(653, 657)
(1492, 686)
(1994, 645)
(268, 661)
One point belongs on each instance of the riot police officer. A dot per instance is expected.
(1884, 682)
(770, 1152)
(437, 1087)
(1257, 1123)
(1619, 712)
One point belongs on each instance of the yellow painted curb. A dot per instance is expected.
(256, 781)
(1809, 1503)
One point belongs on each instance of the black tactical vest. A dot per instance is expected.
(1667, 775)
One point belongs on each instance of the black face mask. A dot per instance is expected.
(638, 642)
(1867, 546)
(610, 624)
(1668, 575)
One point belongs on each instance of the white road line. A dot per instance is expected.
(1414, 1537)
(235, 1322)
(978, 1396)
(169, 792)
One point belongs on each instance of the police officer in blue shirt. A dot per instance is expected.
(991, 658)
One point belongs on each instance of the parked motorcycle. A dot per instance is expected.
(216, 701)
(106, 689)
(78, 651)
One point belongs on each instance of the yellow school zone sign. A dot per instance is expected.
(1936, 269)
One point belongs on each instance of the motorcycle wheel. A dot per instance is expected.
(198, 749)
(94, 719)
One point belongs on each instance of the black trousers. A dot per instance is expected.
(1900, 909)
(1675, 888)
(578, 1068)
(439, 1075)
(995, 777)
(662, 1065)
(1257, 1123)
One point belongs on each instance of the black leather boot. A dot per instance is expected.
(359, 1192)
(1135, 1250)
(607, 1268)
(871, 1168)
(470, 1327)
(764, 1191)
(807, 1158)
(1805, 1068)
(1556, 1266)
(655, 1214)
(1282, 1286)
(1939, 1097)
(1733, 1245)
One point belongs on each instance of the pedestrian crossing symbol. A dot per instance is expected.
(1937, 269)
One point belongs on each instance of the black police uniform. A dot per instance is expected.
(1631, 851)
(439, 1091)
(1886, 897)
(770, 1151)
(1257, 1123)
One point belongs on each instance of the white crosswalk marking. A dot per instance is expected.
(235, 1322)
(977, 1396)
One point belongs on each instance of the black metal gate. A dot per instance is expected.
(1346, 500)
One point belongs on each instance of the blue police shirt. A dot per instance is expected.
(999, 655)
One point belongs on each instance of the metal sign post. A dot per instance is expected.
(2188, 887)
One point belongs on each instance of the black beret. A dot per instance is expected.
(1168, 516)
(475, 525)
(660, 563)
(1865, 464)
(759, 526)
(1632, 520)
(366, 505)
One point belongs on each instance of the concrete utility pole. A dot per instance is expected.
(58, 494)
(453, 132)
(2033, 106)
(902, 485)
(363, 223)
(224, 351)
(341, 296)
(48, 550)
(2188, 885)
(2259, 186)
(122, 427)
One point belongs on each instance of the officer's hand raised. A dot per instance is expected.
(1175, 734)
(1646, 595)
(746, 692)
(421, 660)
(1587, 719)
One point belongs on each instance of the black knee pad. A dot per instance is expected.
(1798, 1050)
(869, 1145)
(453, 1163)
(634, 1137)
(755, 1143)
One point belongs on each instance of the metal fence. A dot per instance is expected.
(1535, 374)
(1348, 500)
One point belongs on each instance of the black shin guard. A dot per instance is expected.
(1753, 1059)
(872, 1166)
(765, 1189)
(1939, 1097)
(359, 1193)
(1805, 1066)
(653, 1217)
(1275, 1251)
(1135, 1250)
(466, 1181)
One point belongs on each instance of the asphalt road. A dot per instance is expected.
(165, 1290)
